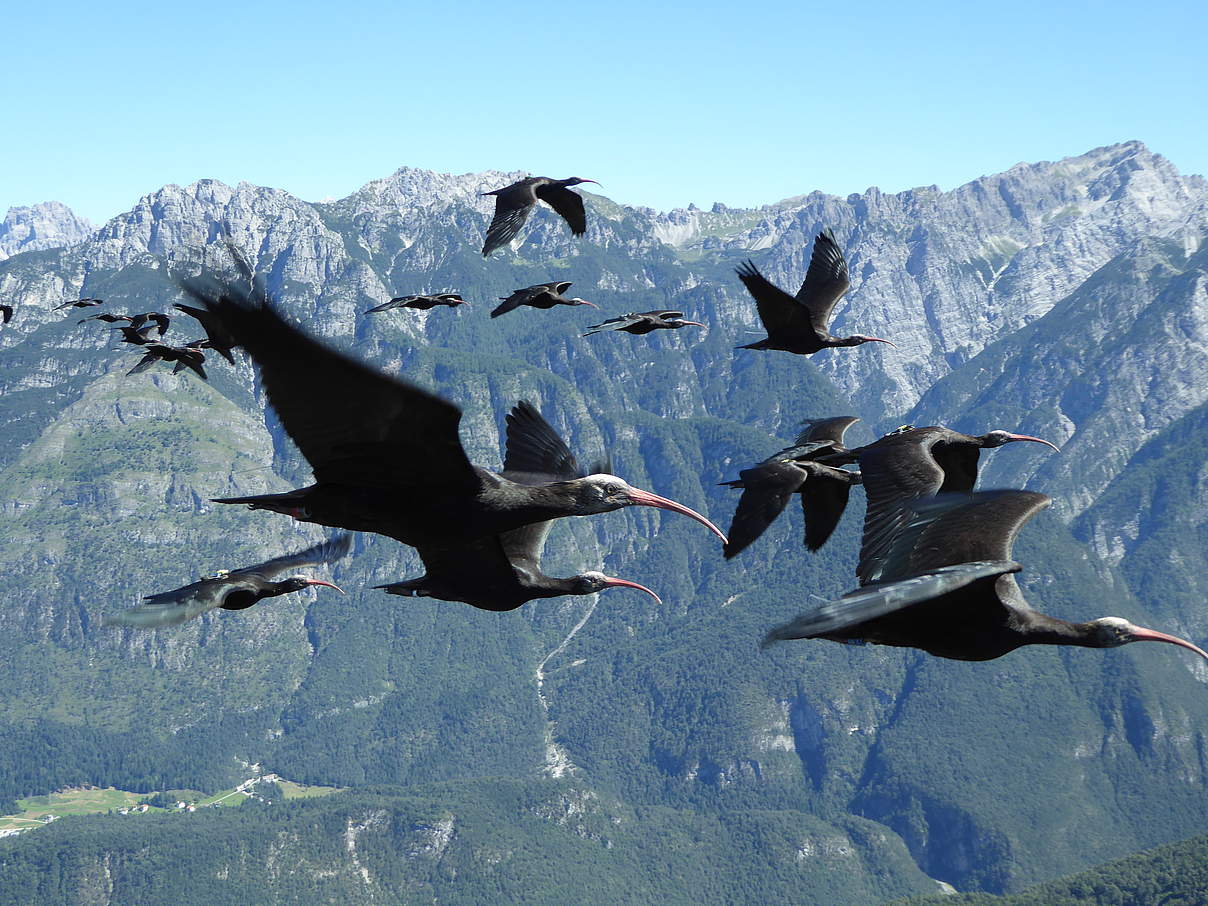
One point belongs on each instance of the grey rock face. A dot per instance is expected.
(42, 226)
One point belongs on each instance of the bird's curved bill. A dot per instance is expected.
(609, 582)
(1037, 440)
(880, 340)
(694, 323)
(327, 584)
(1152, 635)
(645, 498)
(585, 302)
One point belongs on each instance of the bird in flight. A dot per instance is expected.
(514, 203)
(543, 295)
(640, 323)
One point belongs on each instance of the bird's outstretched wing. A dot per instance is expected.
(534, 448)
(144, 363)
(823, 500)
(478, 573)
(355, 425)
(511, 211)
(618, 323)
(523, 297)
(767, 489)
(826, 280)
(170, 608)
(325, 552)
(874, 601)
(6, 313)
(778, 310)
(826, 430)
(897, 470)
(568, 204)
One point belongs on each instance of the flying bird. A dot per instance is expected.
(801, 324)
(79, 303)
(768, 487)
(232, 590)
(543, 295)
(640, 323)
(504, 571)
(421, 302)
(184, 356)
(386, 453)
(140, 336)
(947, 587)
(6, 313)
(216, 336)
(513, 204)
(909, 464)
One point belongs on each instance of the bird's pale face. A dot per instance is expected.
(578, 301)
(604, 493)
(591, 582)
(1112, 632)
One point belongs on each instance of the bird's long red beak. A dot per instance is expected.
(625, 583)
(879, 340)
(1035, 440)
(694, 323)
(327, 584)
(596, 181)
(1152, 635)
(645, 498)
(585, 302)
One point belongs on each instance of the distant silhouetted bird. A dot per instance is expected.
(140, 336)
(79, 303)
(644, 322)
(421, 302)
(909, 464)
(107, 317)
(802, 324)
(768, 487)
(946, 587)
(543, 295)
(504, 571)
(232, 590)
(513, 204)
(386, 454)
(184, 356)
(6, 313)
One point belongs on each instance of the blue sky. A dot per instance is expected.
(664, 104)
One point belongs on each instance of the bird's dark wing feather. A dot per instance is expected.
(959, 462)
(825, 281)
(568, 204)
(767, 489)
(952, 529)
(874, 601)
(617, 323)
(777, 309)
(316, 555)
(534, 447)
(826, 430)
(511, 211)
(220, 339)
(353, 424)
(170, 608)
(823, 500)
(477, 573)
(6, 313)
(520, 297)
(144, 363)
(897, 470)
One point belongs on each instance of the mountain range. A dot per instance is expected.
(1066, 300)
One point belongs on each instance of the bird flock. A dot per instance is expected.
(935, 569)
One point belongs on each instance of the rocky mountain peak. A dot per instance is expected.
(48, 225)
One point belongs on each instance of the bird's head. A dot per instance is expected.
(604, 493)
(576, 180)
(998, 438)
(1112, 632)
(591, 582)
(858, 339)
(578, 301)
(297, 583)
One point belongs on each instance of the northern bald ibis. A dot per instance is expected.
(513, 204)
(79, 303)
(6, 313)
(386, 453)
(139, 336)
(504, 571)
(184, 356)
(640, 323)
(768, 487)
(217, 337)
(801, 324)
(421, 302)
(947, 587)
(543, 295)
(232, 590)
(909, 464)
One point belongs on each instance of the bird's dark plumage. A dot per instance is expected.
(640, 323)
(420, 302)
(219, 339)
(947, 587)
(801, 323)
(514, 203)
(183, 356)
(6, 313)
(233, 590)
(542, 295)
(86, 302)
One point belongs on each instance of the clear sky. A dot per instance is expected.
(664, 103)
